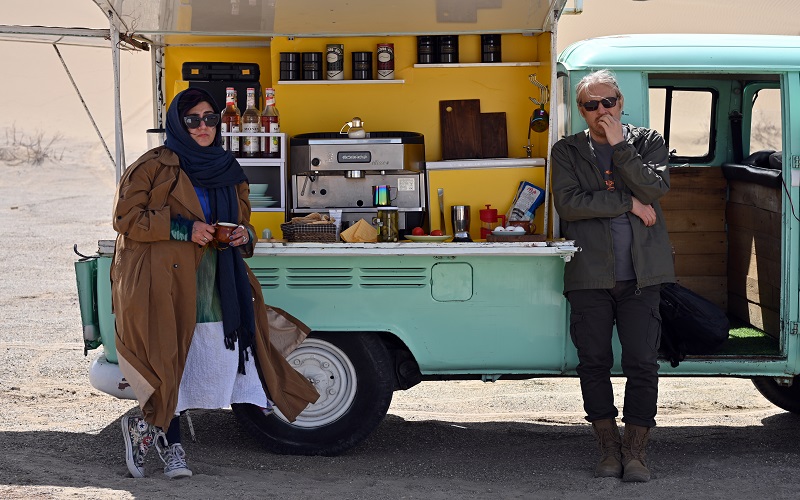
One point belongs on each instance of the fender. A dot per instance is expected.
(107, 377)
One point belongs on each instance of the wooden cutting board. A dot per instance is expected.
(494, 135)
(461, 129)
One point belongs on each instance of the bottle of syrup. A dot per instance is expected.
(251, 123)
(230, 122)
(270, 122)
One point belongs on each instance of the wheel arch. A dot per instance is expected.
(406, 371)
(780, 393)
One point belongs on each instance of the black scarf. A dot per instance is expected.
(213, 168)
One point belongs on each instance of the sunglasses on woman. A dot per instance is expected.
(193, 121)
(608, 103)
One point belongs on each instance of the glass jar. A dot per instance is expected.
(387, 221)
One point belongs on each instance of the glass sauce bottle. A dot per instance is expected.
(270, 122)
(230, 122)
(251, 122)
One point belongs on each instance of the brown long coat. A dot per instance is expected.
(153, 289)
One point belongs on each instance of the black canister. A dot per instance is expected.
(291, 67)
(426, 49)
(362, 65)
(312, 65)
(490, 49)
(448, 49)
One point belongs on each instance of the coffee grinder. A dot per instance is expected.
(460, 216)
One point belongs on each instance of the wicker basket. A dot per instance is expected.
(318, 233)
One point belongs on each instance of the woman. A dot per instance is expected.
(191, 323)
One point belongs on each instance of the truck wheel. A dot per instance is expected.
(781, 396)
(352, 372)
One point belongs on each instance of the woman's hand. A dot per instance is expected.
(240, 236)
(202, 233)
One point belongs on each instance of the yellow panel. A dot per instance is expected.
(409, 106)
(271, 220)
(414, 105)
(477, 188)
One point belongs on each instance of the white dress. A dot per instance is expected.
(211, 379)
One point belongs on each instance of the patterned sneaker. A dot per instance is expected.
(174, 459)
(138, 436)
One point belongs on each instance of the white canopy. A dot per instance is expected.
(325, 18)
(141, 24)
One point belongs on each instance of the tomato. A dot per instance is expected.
(437, 232)
(418, 231)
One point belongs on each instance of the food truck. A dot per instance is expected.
(469, 132)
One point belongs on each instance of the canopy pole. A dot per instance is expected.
(85, 107)
(120, 147)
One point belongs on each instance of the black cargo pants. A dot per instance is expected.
(635, 312)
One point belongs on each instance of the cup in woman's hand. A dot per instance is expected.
(223, 231)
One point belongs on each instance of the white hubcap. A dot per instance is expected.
(332, 374)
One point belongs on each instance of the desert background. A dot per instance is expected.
(60, 438)
(41, 98)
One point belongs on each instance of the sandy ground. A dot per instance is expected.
(60, 438)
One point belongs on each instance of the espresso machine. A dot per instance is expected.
(331, 171)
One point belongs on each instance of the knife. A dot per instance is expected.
(441, 210)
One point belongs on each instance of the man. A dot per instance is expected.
(606, 184)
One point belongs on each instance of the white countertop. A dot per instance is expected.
(411, 248)
(264, 248)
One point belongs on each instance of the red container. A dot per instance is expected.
(489, 218)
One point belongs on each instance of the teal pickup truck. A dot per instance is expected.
(386, 316)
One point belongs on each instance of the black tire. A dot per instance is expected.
(781, 396)
(353, 373)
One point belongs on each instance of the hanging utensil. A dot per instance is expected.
(540, 120)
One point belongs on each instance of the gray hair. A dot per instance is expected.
(600, 77)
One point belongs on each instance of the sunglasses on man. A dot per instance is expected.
(608, 103)
(193, 121)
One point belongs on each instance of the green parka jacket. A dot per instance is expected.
(153, 293)
(586, 208)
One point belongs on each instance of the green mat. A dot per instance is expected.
(744, 340)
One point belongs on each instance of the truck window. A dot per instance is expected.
(765, 120)
(683, 116)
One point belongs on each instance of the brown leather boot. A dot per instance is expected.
(633, 454)
(607, 434)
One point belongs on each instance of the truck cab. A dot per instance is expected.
(726, 106)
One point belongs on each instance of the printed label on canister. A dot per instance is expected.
(385, 61)
(335, 61)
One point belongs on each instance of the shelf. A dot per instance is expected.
(337, 82)
(484, 163)
(477, 65)
(260, 162)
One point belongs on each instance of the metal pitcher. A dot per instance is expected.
(381, 195)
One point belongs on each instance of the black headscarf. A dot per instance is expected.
(213, 168)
